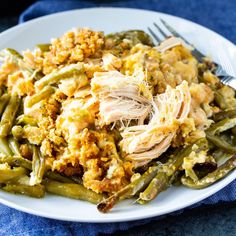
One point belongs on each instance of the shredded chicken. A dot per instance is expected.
(143, 143)
(111, 62)
(169, 43)
(122, 98)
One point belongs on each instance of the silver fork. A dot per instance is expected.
(219, 70)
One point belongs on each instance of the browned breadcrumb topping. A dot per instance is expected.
(73, 46)
(95, 152)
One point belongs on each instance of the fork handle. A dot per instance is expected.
(228, 80)
(225, 78)
(219, 70)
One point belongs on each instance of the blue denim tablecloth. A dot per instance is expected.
(218, 15)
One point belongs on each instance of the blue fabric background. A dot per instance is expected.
(218, 15)
(215, 14)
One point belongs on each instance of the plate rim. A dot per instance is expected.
(52, 15)
(221, 184)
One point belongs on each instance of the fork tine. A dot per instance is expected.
(226, 79)
(195, 52)
(176, 34)
(160, 30)
(154, 35)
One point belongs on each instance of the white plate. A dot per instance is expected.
(41, 30)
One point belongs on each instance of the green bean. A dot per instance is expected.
(220, 100)
(213, 132)
(4, 99)
(212, 177)
(17, 58)
(157, 185)
(26, 120)
(14, 146)
(221, 126)
(227, 136)
(3, 89)
(14, 53)
(4, 147)
(71, 71)
(174, 163)
(233, 130)
(138, 36)
(165, 174)
(175, 179)
(17, 132)
(9, 174)
(37, 191)
(58, 177)
(76, 179)
(44, 47)
(230, 113)
(27, 164)
(9, 52)
(134, 36)
(75, 191)
(220, 155)
(143, 37)
(41, 95)
(38, 166)
(8, 115)
(141, 183)
(138, 185)
(17, 161)
(130, 190)
(221, 143)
